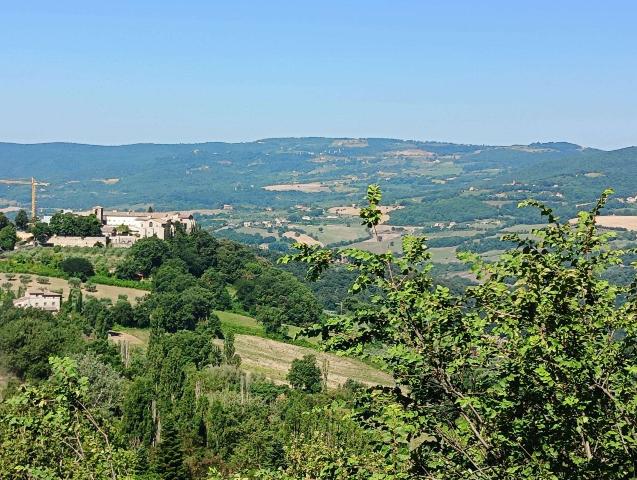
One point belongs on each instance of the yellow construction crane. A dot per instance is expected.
(34, 184)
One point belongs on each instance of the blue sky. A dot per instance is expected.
(493, 72)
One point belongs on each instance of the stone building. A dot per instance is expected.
(140, 224)
(49, 301)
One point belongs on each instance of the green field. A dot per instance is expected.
(334, 233)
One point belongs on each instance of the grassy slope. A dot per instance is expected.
(273, 358)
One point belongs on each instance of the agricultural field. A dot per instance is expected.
(334, 233)
(268, 357)
(313, 187)
(302, 238)
(618, 221)
(273, 359)
(59, 284)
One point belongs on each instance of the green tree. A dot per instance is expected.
(212, 281)
(271, 318)
(305, 375)
(78, 267)
(8, 238)
(22, 220)
(170, 457)
(73, 225)
(230, 354)
(530, 374)
(29, 337)
(41, 232)
(4, 221)
(122, 313)
(144, 257)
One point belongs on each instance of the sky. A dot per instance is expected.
(482, 72)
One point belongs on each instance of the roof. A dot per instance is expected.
(43, 294)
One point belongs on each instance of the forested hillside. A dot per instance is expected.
(527, 374)
(330, 172)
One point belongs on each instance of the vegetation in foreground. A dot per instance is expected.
(530, 374)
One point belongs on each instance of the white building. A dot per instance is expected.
(51, 302)
(140, 224)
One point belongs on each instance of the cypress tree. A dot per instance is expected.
(170, 458)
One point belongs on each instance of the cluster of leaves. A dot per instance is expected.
(77, 267)
(48, 431)
(530, 374)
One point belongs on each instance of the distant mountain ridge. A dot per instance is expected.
(209, 174)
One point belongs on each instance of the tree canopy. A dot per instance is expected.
(73, 225)
(530, 374)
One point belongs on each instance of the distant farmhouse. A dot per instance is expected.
(51, 302)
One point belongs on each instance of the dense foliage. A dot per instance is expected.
(530, 374)
(191, 272)
(72, 225)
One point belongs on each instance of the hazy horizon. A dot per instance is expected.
(255, 140)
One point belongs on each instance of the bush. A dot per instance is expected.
(78, 267)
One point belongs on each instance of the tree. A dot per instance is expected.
(143, 258)
(122, 313)
(78, 267)
(41, 232)
(72, 225)
(8, 238)
(305, 375)
(530, 374)
(172, 277)
(229, 352)
(271, 318)
(212, 281)
(106, 384)
(74, 302)
(170, 458)
(123, 230)
(4, 221)
(29, 337)
(176, 311)
(263, 285)
(22, 220)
